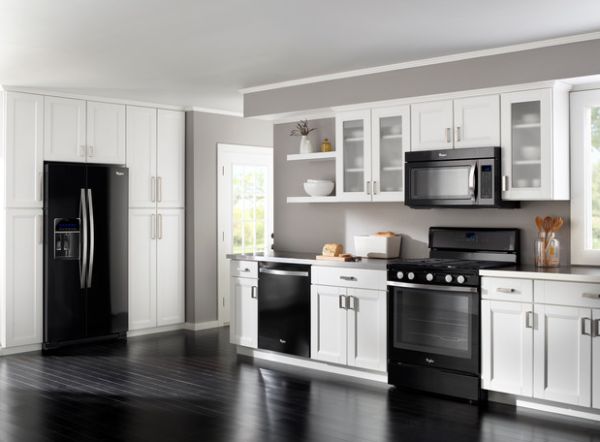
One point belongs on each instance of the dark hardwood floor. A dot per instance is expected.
(186, 386)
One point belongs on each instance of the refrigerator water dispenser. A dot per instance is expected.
(66, 238)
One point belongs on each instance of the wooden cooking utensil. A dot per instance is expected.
(548, 221)
(539, 223)
(558, 223)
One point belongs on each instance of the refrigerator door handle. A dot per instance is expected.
(92, 239)
(84, 243)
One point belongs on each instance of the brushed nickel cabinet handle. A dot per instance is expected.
(448, 135)
(152, 189)
(505, 182)
(584, 328)
(153, 226)
(591, 295)
(160, 227)
(254, 292)
(342, 302)
(529, 320)
(348, 278)
(505, 290)
(595, 328)
(457, 133)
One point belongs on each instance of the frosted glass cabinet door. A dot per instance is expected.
(391, 129)
(353, 166)
(527, 144)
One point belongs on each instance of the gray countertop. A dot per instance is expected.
(565, 273)
(310, 259)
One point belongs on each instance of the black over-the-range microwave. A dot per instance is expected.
(470, 177)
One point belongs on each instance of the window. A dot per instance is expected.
(585, 177)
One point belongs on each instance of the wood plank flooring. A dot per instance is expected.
(191, 386)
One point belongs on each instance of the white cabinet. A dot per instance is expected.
(329, 324)
(171, 159)
(80, 131)
(535, 144)
(142, 269)
(562, 354)
(105, 133)
(507, 347)
(431, 125)
(23, 153)
(477, 121)
(348, 326)
(23, 285)
(596, 358)
(390, 141)
(156, 268)
(64, 129)
(370, 154)
(464, 122)
(353, 163)
(170, 263)
(141, 156)
(244, 304)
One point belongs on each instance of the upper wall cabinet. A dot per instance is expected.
(464, 122)
(64, 129)
(370, 158)
(80, 131)
(23, 153)
(171, 159)
(141, 156)
(105, 133)
(535, 144)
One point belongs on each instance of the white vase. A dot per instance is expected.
(305, 145)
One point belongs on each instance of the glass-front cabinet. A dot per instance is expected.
(535, 145)
(391, 136)
(353, 165)
(370, 163)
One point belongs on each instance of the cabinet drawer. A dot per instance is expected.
(506, 289)
(576, 294)
(244, 269)
(353, 278)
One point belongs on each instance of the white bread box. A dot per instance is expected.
(373, 246)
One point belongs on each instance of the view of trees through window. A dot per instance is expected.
(595, 129)
(248, 208)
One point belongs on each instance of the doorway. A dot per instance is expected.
(245, 209)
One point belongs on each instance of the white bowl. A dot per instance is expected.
(319, 188)
(530, 152)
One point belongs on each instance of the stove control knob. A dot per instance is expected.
(460, 279)
(411, 275)
(448, 278)
(429, 277)
(400, 275)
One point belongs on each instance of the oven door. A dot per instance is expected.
(441, 183)
(434, 326)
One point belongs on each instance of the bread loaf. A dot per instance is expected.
(385, 234)
(332, 249)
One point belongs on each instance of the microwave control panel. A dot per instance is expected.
(66, 238)
(486, 182)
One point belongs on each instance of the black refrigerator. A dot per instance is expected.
(85, 253)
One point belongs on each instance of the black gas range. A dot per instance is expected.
(434, 310)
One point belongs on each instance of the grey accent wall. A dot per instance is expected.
(549, 63)
(306, 227)
(203, 132)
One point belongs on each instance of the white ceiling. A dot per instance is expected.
(201, 52)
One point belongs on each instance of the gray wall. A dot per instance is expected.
(306, 227)
(203, 132)
(564, 61)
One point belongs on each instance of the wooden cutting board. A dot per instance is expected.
(335, 258)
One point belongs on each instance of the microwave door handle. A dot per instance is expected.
(472, 181)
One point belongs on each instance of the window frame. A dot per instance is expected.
(581, 102)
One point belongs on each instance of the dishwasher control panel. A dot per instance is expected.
(66, 238)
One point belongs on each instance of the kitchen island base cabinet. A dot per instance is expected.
(348, 326)
(507, 347)
(244, 324)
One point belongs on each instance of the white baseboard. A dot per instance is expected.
(20, 349)
(151, 331)
(559, 410)
(312, 364)
(196, 326)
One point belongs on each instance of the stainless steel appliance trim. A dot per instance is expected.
(284, 272)
(84, 228)
(433, 287)
(472, 181)
(92, 239)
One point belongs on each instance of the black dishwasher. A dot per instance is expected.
(284, 308)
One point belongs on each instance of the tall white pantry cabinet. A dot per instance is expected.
(150, 141)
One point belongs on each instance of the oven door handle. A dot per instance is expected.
(441, 288)
(472, 181)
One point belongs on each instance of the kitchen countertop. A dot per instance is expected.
(310, 259)
(565, 273)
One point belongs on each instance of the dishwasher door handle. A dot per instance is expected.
(284, 272)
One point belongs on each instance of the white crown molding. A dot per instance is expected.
(425, 62)
(215, 111)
